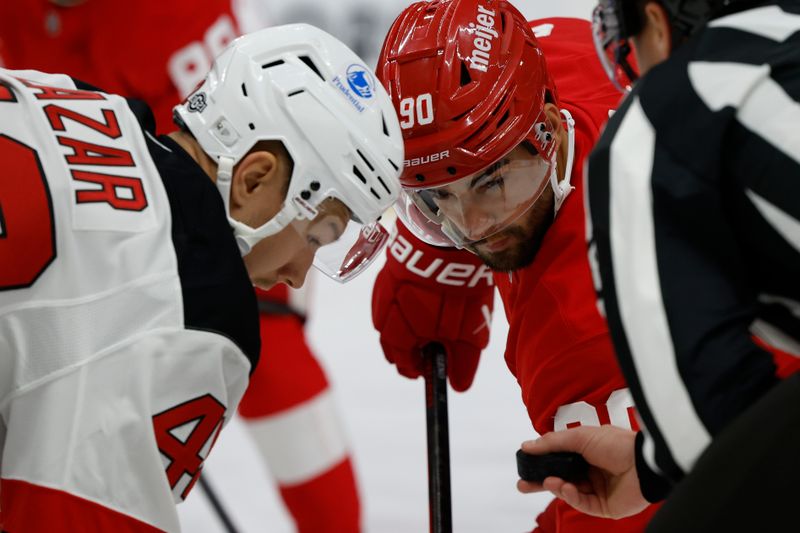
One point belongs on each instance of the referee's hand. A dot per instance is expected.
(612, 490)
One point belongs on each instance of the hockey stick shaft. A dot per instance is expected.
(211, 494)
(438, 439)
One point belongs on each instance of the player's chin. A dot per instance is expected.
(512, 258)
(495, 250)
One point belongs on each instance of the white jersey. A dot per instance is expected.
(113, 386)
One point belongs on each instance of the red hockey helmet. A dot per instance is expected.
(468, 80)
(469, 83)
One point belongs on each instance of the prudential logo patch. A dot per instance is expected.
(361, 81)
(356, 84)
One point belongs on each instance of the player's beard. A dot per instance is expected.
(526, 237)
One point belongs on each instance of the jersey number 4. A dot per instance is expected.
(27, 230)
(185, 435)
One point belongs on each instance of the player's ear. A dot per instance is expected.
(553, 115)
(258, 184)
(255, 170)
(658, 30)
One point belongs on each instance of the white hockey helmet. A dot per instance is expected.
(301, 86)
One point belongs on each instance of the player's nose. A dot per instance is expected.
(473, 221)
(295, 271)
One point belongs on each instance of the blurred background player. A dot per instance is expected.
(291, 414)
(497, 124)
(159, 52)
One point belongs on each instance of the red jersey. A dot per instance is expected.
(558, 344)
(147, 49)
(559, 347)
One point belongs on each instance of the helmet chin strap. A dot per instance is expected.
(562, 189)
(247, 237)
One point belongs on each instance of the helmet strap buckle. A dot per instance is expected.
(305, 209)
(562, 189)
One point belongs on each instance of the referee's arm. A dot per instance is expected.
(675, 291)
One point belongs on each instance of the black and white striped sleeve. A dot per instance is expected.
(694, 217)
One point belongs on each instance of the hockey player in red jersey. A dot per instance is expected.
(128, 317)
(159, 52)
(497, 124)
(289, 410)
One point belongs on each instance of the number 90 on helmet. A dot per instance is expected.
(301, 86)
(469, 83)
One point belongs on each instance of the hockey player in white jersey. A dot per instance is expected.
(128, 324)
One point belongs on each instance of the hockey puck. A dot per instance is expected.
(568, 466)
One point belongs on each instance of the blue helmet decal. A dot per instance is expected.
(361, 81)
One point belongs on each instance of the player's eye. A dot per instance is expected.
(494, 183)
(439, 194)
